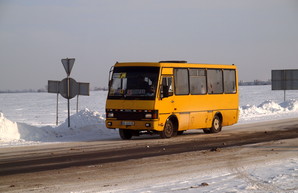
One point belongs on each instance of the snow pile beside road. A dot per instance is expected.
(86, 125)
(8, 129)
(84, 120)
(269, 108)
(290, 105)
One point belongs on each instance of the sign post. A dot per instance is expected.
(53, 87)
(68, 64)
(68, 87)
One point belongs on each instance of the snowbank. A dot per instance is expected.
(86, 125)
(8, 129)
(268, 110)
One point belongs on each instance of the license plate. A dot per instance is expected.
(127, 123)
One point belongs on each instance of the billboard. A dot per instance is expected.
(284, 79)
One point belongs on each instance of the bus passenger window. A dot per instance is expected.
(230, 81)
(214, 81)
(181, 81)
(197, 80)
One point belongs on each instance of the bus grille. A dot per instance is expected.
(129, 115)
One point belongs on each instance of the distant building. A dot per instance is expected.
(255, 82)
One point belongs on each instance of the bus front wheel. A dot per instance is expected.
(125, 134)
(216, 125)
(168, 130)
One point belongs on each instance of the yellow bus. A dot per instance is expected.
(170, 97)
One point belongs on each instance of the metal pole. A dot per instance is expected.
(68, 112)
(68, 93)
(57, 109)
(284, 85)
(77, 103)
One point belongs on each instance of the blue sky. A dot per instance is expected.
(256, 35)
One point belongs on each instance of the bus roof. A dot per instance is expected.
(176, 64)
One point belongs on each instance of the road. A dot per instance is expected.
(109, 164)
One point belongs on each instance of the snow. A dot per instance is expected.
(8, 129)
(29, 118)
(260, 103)
(86, 125)
(268, 110)
(281, 177)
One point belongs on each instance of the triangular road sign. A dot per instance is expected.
(68, 64)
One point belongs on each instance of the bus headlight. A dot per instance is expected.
(110, 115)
(148, 116)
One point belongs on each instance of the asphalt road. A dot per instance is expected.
(53, 165)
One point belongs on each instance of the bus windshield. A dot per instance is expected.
(134, 83)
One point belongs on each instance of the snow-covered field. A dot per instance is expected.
(30, 118)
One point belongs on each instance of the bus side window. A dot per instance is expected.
(166, 87)
(229, 81)
(214, 81)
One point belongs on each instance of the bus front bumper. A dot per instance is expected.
(134, 125)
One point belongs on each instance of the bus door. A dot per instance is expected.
(171, 104)
(166, 95)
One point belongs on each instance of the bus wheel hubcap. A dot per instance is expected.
(169, 129)
(216, 123)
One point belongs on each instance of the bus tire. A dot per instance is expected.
(168, 130)
(207, 131)
(180, 132)
(216, 125)
(125, 134)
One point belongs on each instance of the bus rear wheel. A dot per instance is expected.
(168, 130)
(207, 131)
(216, 125)
(125, 134)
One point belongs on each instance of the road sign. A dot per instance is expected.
(83, 88)
(68, 64)
(53, 86)
(68, 88)
(284, 79)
